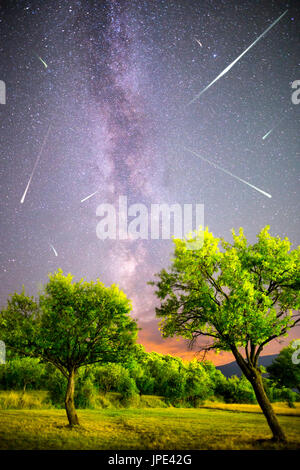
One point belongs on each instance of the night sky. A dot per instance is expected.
(114, 80)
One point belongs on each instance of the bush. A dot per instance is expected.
(280, 393)
(127, 387)
(283, 372)
(144, 381)
(104, 402)
(114, 377)
(290, 397)
(56, 384)
(236, 390)
(22, 373)
(86, 393)
(199, 385)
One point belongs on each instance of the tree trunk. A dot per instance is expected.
(69, 401)
(267, 409)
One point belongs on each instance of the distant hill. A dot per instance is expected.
(233, 369)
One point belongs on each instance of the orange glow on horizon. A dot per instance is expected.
(153, 342)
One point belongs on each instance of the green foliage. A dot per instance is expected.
(71, 324)
(280, 393)
(147, 374)
(181, 383)
(158, 374)
(127, 387)
(110, 376)
(235, 294)
(235, 390)
(142, 375)
(114, 377)
(86, 393)
(238, 294)
(56, 384)
(199, 385)
(283, 371)
(169, 376)
(290, 397)
(21, 374)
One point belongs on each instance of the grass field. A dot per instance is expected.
(238, 427)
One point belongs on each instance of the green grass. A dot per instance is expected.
(279, 408)
(149, 428)
(28, 421)
(39, 400)
(16, 400)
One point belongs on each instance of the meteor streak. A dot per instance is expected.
(228, 173)
(268, 133)
(88, 197)
(237, 59)
(35, 165)
(276, 125)
(54, 250)
(197, 40)
(43, 62)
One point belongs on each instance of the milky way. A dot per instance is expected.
(113, 79)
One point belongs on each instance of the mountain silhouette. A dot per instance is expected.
(233, 369)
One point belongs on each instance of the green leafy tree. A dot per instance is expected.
(114, 377)
(198, 386)
(22, 373)
(237, 295)
(236, 390)
(109, 376)
(284, 370)
(70, 325)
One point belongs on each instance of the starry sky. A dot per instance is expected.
(111, 82)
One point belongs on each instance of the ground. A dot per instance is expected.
(236, 427)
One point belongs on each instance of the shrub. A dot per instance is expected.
(21, 374)
(86, 391)
(236, 390)
(56, 384)
(199, 385)
(275, 393)
(114, 377)
(127, 387)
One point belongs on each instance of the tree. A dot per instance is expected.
(236, 390)
(283, 370)
(70, 325)
(239, 296)
(198, 385)
(19, 373)
(109, 376)
(114, 377)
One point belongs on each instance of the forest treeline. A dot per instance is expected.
(178, 382)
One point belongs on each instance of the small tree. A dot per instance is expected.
(20, 373)
(283, 370)
(240, 296)
(70, 325)
(198, 386)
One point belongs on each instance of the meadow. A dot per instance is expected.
(141, 426)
